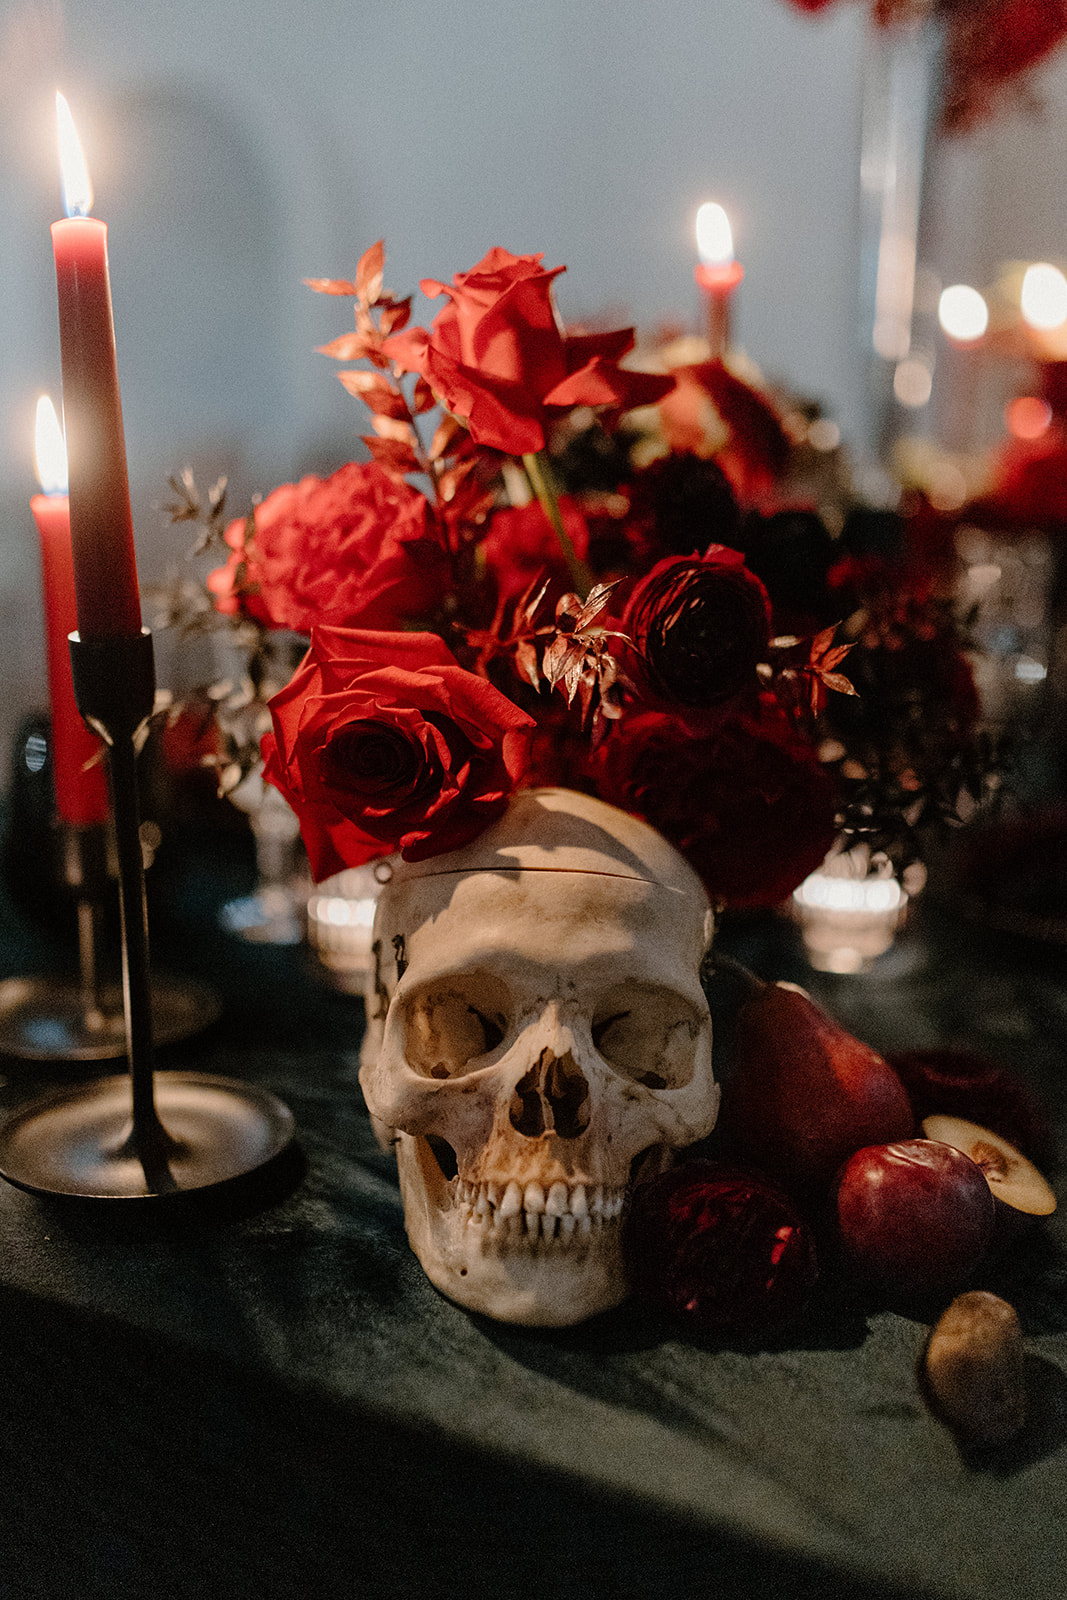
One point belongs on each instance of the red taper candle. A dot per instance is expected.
(81, 788)
(717, 273)
(101, 523)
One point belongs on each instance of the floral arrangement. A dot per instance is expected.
(576, 580)
(989, 46)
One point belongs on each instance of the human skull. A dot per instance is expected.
(538, 1040)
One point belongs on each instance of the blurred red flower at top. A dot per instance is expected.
(357, 548)
(498, 357)
(1030, 490)
(989, 42)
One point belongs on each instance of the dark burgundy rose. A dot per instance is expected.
(721, 1248)
(382, 743)
(749, 806)
(790, 551)
(699, 627)
(679, 505)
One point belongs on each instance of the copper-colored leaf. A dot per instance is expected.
(331, 286)
(530, 601)
(450, 482)
(822, 641)
(376, 392)
(836, 680)
(396, 314)
(370, 272)
(358, 381)
(447, 432)
(349, 347)
(387, 427)
(424, 399)
(596, 600)
(391, 455)
(834, 657)
(557, 658)
(526, 661)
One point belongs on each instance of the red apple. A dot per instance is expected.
(721, 1248)
(803, 1093)
(915, 1217)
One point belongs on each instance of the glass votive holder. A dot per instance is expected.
(850, 910)
(340, 923)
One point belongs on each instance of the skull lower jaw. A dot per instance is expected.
(504, 1271)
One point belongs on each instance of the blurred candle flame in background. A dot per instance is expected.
(1043, 300)
(49, 449)
(715, 240)
(963, 313)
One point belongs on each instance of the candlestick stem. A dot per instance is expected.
(114, 685)
(148, 1140)
(92, 999)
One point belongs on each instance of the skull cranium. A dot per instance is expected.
(537, 1040)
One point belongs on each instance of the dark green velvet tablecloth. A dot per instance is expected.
(275, 1402)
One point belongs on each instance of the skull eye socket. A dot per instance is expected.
(451, 1025)
(648, 1034)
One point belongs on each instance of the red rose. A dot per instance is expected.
(522, 544)
(382, 743)
(699, 625)
(498, 358)
(357, 549)
(750, 808)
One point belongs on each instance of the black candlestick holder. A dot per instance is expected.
(152, 1134)
(80, 1018)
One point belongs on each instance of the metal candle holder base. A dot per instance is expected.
(60, 1017)
(45, 1018)
(136, 1137)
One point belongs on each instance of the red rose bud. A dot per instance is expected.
(382, 743)
(700, 626)
(497, 357)
(721, 1248)
(358, 549)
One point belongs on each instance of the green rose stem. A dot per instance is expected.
(539, 472)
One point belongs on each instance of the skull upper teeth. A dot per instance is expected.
(526, 1211)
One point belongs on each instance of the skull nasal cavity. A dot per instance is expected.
(553, 1097)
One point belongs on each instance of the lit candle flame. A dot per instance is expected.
(1043, 300)
(77, 185)
(715, 241)
(50, 450)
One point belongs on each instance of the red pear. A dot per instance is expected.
(803, 1093)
